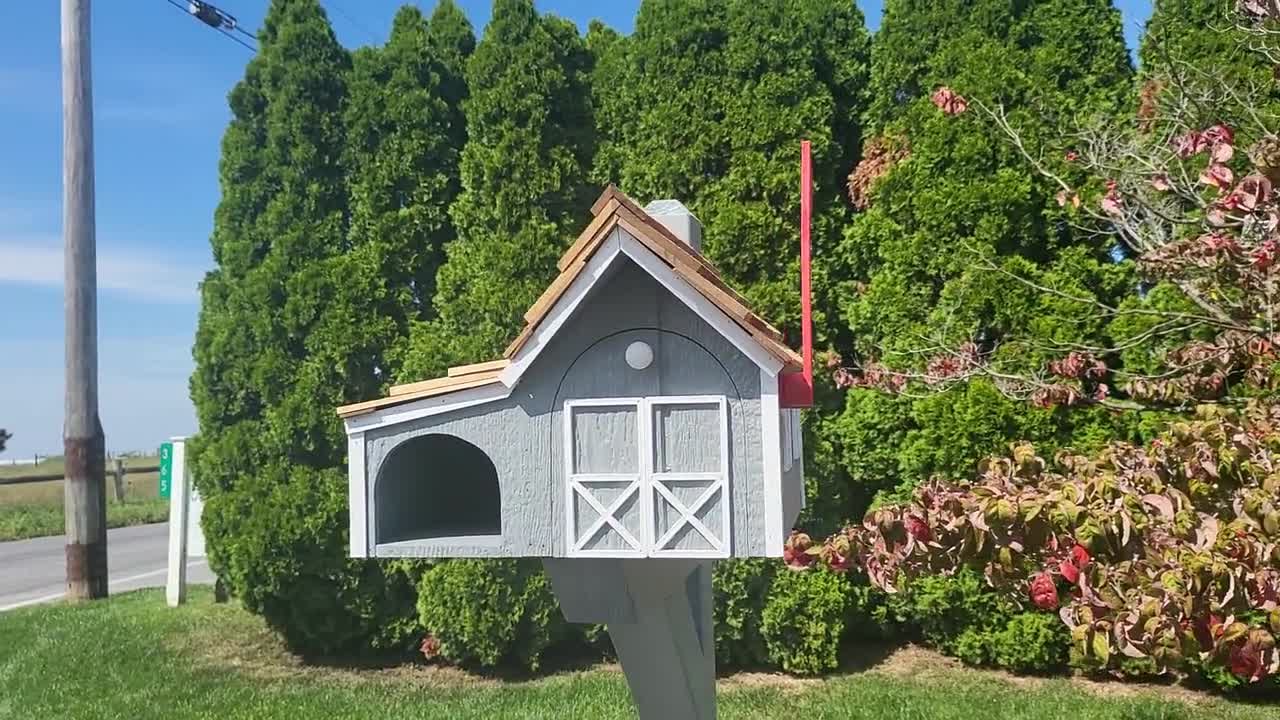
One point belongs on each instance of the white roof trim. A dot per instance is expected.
(707, 310)
(426, 407)
(563, 309)
(620, 242)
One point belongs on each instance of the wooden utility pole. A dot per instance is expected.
(85, 487)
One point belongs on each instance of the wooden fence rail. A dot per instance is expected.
(117, 473)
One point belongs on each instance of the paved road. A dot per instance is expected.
(34, 571)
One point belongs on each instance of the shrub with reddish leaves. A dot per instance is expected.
(879, 156)
(1167, 554)
(1044, 593)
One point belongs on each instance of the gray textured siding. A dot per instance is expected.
(523, 434)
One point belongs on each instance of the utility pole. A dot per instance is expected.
(84, 486)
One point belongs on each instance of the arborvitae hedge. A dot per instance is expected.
(524, 187)
(954, 194)
(320, 250)
(389, 214)
(405, 137)
(706, 102)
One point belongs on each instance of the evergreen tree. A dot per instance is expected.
(405, 134)
(289, 328)
(1189, 44)
(5, 436)
(1194, 32)
(945, 196)
(600, 40)
(906, 47)
(452, 41)
(706, 102)
(524, 188)
(282, 219)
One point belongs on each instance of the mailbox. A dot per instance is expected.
(635, 430)
(636, 415)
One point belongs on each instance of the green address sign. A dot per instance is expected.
(166, 470)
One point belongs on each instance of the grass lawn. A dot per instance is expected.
(131, 657)
(35, 509)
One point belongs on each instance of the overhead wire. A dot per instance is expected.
(346, 15)
(235, 39)
(226, 24)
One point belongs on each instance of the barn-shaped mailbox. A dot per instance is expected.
(641, 413)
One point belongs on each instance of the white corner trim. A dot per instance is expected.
(771, 447)
(357, 496)
(427, 407)
(705, 309)
(562, 310)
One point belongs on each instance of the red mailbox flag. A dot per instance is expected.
(796, 389)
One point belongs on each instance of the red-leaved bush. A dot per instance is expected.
(1168, 553)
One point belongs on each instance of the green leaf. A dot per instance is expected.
(1101, 646)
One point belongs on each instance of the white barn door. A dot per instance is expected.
(688, 478)
(647, 477)
(604, 477)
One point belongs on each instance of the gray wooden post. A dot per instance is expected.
(659, 615)
(119, 478)
(84, 489)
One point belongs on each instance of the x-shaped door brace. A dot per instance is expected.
(606, 516)
(688, 515)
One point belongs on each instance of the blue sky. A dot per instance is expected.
(160, 85)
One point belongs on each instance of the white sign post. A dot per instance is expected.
(176, 587)
(186, 540)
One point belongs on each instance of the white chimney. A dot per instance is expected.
(674, 216)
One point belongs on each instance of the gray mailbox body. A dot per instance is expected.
(633, 432)
(639, 419)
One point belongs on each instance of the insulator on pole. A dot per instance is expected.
(210, 15)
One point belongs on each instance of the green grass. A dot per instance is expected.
(131, 657)
(19, 522)
(35, 509)
(47, 465)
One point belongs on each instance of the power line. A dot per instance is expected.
(332, 4)
(215, 18)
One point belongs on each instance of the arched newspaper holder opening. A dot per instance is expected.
(434, 487)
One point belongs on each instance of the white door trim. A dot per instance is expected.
(647, 482)
(575, 487)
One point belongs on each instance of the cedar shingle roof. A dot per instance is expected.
(612, 210)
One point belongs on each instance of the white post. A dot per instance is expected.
(176, 587)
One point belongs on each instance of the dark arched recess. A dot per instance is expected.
(436, 486)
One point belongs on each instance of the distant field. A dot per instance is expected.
(35, 509)
(54, 464)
